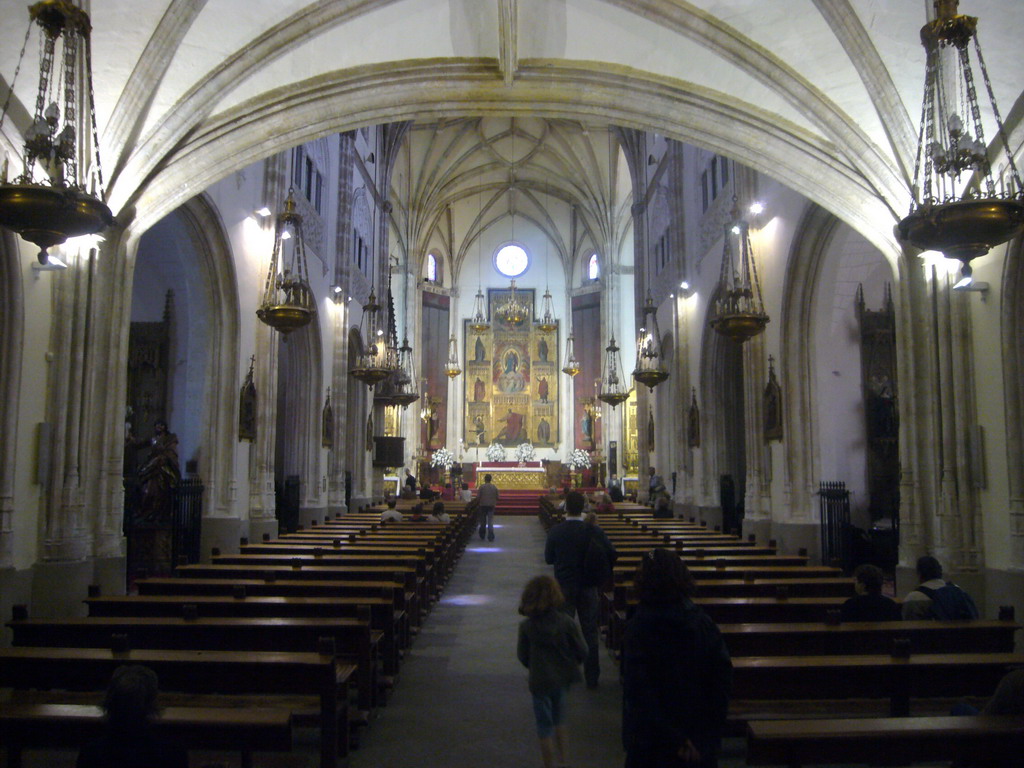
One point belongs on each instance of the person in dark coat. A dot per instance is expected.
(128, 740)
(676, 672)
(564, 549)
(869, 604)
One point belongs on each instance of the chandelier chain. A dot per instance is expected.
(92, 115)
(995, 111)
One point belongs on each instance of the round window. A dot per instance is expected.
(511, 260)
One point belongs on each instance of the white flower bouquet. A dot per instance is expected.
(495, 452)
(578, 459)
(525, 452)
(442, 458)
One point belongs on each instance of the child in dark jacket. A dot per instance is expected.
(552, 647)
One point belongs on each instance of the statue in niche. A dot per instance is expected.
(881, 407)
(693, 422)
(478, 390)
(158, 476)
(542, 351)
(543, 431)
(772, 405)
(480, 430)
(512, 379)
(479, 352)
(247, 406)
(327, 426)
(543, 389)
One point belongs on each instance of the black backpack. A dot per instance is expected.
(950, 603)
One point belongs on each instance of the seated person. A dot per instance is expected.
(417, 514)
(128, 741)
(604, 504)
(869, 604)
(448, 494)
(427, 493)
(438, 515)
(465, 494)
(663, 509)
(936, 598)
(391, 514)
(615, 488)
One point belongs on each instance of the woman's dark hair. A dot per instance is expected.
(131, 697)
(438, 508)
(662, 577)
(871, 577)
(540, 595)
(928, 568)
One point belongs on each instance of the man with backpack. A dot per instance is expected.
(936, 598)
(583, 558)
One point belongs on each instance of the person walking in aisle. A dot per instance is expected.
(551, 646)
(564, 549)
(676, 672)
(488, 500)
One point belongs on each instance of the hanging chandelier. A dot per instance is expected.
(478, 323)
(738, 309)
(405, 377)
(67, 203)
(612, 388)
(649, 362)
(962, 218)
(451, 366)
(547, 323)
(374, 362)
(288, 302)
(572, 365)
(512, 311)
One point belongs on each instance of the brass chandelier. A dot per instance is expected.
(478, 323)
(961, 217)
(513, 311)
(547, 323)
(572, 365)
(738, 309)
(69, 202)
(288, 302)
(612, 388)
(649, 370)
(451, 366)
(375, 360)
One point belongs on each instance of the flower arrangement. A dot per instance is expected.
(578, 459)
(525, 452)
(442, 458)
(495, 452)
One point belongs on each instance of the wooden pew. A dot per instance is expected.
(887, 741)
(224, 673)
(870, 676)
(353, 638)
(381, 611)
(26, 726)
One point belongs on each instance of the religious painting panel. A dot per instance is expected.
(511, 379)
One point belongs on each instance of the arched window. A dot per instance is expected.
(593, 268)
(433, 269)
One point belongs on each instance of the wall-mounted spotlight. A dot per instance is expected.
(756, 208)
(53, 264)
(968, 283)
(336, 291)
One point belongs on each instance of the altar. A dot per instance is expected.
(509, 475)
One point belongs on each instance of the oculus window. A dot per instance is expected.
(511, 260)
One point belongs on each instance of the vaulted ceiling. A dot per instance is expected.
(823, 95)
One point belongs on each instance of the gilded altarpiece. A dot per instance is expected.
(631, 456)
(511, 379)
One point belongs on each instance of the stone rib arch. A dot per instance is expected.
(424, 89)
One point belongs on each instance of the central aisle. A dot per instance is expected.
(461, 698)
